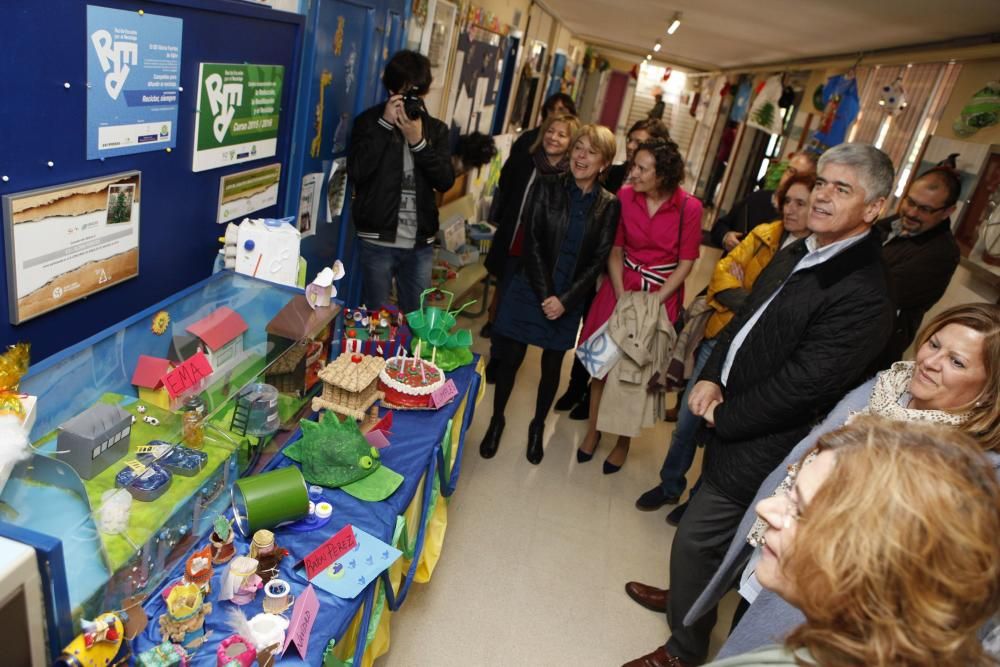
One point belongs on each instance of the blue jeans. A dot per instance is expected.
(410, 267)
(680, 456)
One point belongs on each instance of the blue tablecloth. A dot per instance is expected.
(416, 435)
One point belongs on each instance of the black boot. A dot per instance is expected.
(581, 411)
(535, 450)
(491, 441)
(491, 371)
(572, 396)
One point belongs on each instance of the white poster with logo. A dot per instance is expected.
(133, 71)
(238, 114)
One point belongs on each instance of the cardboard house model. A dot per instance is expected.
(148, 380)
(94, 439)
(221, 333)
(350, 387)
(298, 340)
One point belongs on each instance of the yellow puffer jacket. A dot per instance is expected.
(753, 253)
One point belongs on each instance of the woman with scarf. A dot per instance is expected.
(549, 155)
(657, 243)
(954, 380)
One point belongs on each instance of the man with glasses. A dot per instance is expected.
(920, 253)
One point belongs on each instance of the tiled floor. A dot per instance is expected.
(536, 557)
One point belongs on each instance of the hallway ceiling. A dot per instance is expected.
(734, 33)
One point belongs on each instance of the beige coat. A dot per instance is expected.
(640, 327)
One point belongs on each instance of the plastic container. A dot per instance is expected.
(265, 500)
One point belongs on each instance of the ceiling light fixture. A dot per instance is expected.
(649, 56)
(674, 24)
(657, 46)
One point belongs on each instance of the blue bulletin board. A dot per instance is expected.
(43, 142)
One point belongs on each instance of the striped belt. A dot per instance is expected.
(652, 277)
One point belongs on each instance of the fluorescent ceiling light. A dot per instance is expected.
(657, 46)
(674, 24)
(649, 56)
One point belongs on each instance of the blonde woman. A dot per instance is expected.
(888, 540)
(569, 228)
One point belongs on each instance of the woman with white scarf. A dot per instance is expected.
(954, 380)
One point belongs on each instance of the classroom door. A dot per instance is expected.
(614, 96)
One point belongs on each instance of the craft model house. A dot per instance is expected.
(148, 380)
(298, 345)
(221, 334)
(94, 439)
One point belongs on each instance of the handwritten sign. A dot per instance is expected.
(188, 375)
(445, 394)
(303, 617)
(328, 552)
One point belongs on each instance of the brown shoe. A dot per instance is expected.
(658, 658)
(654, 599)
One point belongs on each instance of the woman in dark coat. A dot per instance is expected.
(569, 227)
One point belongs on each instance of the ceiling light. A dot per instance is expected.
(649, 56)
(657, 46)
(675, 23)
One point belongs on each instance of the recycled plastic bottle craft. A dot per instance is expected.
(433, 326)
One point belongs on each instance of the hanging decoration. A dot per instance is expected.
(892, 98)
(764, 114)
(666, 74)
(983, 110)
(840, 110)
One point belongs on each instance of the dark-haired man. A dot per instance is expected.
(920, 253)
(398, 157)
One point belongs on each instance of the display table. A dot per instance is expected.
(426, 449)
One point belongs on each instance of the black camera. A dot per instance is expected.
(413, 105)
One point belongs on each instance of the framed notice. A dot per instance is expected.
(238, 114)
(69, 241)
(244, 192)
(133, 66)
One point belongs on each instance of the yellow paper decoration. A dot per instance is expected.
(160, 322)
(13, 366)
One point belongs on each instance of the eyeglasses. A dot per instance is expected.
(921, 208)
(792, 512)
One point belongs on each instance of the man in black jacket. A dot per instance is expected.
(815, 319)
(397, 157)
(920, 253)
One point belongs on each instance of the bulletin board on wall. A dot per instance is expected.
(44, 143)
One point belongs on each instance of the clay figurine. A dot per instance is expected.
(267, 553)
(221, 541)
(184, 622)
(198, 570)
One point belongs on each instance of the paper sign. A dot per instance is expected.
(355, 570)
(303, 617)
(377, 439)
(445, 394)
(384, 424)
(329, 551)
(188, 375)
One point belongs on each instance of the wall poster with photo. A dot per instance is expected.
(69, 241)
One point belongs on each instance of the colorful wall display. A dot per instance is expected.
(67, 242)
(238, 114)
(133, 66)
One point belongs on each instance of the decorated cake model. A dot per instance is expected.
(408, 383)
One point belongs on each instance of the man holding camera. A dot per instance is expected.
(397, 157)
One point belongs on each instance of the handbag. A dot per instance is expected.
(599, 353)
(682, 312)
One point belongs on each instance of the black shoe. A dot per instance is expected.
(491, 441)
(491, 371)
(654, 499)
(610, 468)
(568, 400)
(676, 514)
(582, 456)
(581, 411)
(535, 450)
(487, 330)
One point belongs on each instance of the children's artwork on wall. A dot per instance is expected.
(983, 110)
(336, 189)
(69, 241)
(312, 190)
(473, 91)
(338, 37)
(325, 79)
(351, 70)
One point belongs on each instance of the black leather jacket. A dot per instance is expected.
(375, 167)
(546, 219)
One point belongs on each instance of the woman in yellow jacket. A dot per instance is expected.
(731, 281)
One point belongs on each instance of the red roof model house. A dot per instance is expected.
(148, 379)
(222, 334)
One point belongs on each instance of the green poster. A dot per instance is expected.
(238, 114)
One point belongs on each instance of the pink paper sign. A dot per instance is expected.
(445, 394)
(303, 617)
(377, 439)
(327, 553)
(188, 375)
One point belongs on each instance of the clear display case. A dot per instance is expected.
(132, 418)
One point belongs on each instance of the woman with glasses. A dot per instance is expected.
(954, 381)
(887, 538)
